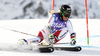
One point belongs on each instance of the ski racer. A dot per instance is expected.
(56, 29)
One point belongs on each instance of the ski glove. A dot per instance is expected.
(73, 37)
(73, 41)
(51, 38)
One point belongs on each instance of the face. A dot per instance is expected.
(65, 18)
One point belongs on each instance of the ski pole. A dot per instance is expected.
(18, 31)
(62, 43)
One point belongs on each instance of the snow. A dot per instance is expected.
(32, 26)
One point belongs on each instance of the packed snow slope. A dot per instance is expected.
(33, 26)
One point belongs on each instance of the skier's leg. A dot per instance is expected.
(37, 39)
(42, 35)
(46, 31)
(60, 34)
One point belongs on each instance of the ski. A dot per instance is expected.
(46, 49)
(75, 48)
(51, 49)
(26, 48)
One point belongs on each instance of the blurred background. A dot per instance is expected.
(32, 9)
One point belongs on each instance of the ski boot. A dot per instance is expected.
(22, 42)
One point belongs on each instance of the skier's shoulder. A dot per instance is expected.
(55, 15)
(68, 20)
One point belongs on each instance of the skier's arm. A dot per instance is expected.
(72, 33)
(48, 25)
(70, 27)
(51, 20)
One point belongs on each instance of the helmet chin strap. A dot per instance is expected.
(62, 18)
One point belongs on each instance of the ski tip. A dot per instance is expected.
(78, 48)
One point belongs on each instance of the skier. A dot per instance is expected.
(56, 29)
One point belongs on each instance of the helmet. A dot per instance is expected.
(65, 11)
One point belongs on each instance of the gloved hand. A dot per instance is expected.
(73, 41)
(51, 38)
(44, 44)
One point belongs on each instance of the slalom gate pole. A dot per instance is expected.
(53, 5)
(18, 31)
(87, 22)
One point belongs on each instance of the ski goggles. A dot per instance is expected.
(66, 13)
